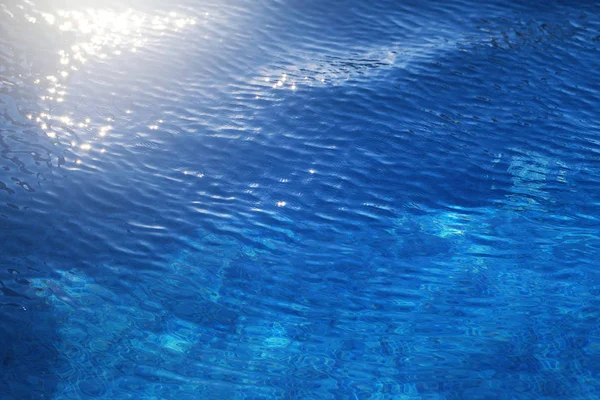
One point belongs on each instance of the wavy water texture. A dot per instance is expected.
(302, 200)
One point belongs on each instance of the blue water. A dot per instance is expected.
(274, 199)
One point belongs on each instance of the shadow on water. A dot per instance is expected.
(28, 335)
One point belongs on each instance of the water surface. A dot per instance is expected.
(299, 200)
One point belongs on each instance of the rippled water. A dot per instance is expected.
(299, 200)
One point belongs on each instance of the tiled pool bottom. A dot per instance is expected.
(438, 314)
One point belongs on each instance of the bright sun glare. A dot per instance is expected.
(99, 34)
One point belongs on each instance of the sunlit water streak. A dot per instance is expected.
(92, 35)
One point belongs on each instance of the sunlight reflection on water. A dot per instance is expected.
(89, 35)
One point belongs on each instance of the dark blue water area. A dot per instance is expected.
(299, 200)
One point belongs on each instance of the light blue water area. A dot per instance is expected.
(299, 200)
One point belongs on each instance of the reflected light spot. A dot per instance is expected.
(85, 146)
(104, 130)
(49, 18)
(312, 171)
(67, 26)
(281, 204)
(78, 161)
(51, 134)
